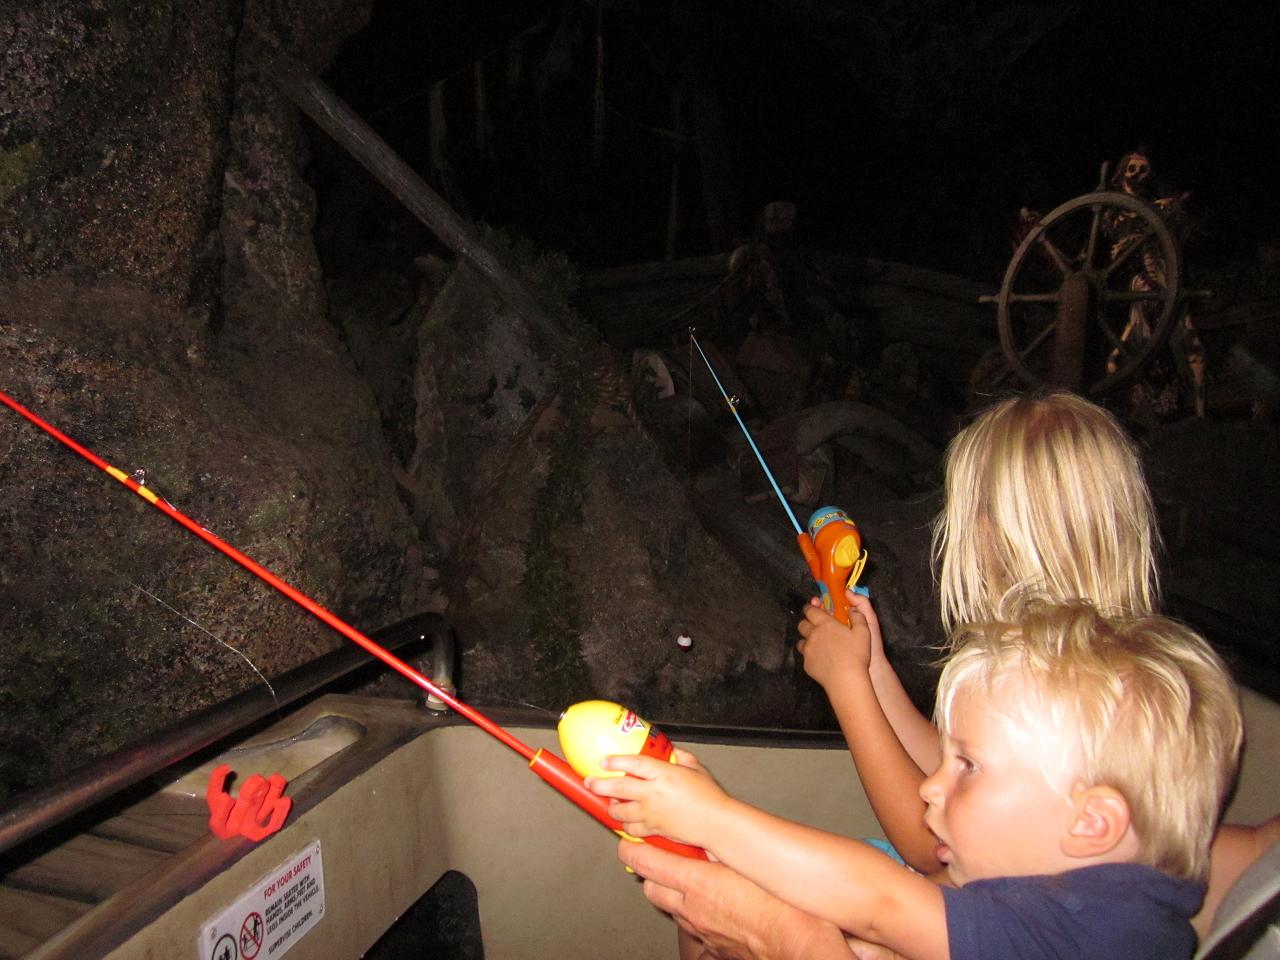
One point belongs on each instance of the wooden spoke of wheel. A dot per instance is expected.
(1040, 338)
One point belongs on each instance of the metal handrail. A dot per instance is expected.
(44, 807)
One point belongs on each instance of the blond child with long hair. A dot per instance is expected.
(1043, 493)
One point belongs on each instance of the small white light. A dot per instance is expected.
(684, 641)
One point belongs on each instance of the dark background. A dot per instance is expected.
(905, 131)
(909, 131)
(162, 224)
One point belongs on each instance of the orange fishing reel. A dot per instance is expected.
(832, 546)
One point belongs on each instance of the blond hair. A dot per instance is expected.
(1045, 491)
(1141, 704)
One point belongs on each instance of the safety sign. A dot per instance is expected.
(272, 915)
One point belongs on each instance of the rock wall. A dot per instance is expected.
(161, 301)
(112, 140)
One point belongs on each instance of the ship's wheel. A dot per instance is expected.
(1069, 289)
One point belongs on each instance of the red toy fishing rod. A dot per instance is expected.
(546, 765)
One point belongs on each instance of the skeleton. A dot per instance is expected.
(1133, 177)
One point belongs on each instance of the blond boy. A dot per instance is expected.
(1085, 761)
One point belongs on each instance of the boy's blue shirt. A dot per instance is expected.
(1124, 911)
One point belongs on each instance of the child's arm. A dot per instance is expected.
(838, 657)
(1234, 849)
(843, 881)
(677, 800)
(913, 728)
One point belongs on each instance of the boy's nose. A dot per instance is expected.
(931, 789)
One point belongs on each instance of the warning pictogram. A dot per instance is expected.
(225, 948)
(251, 936)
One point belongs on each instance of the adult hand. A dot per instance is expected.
(734, 918)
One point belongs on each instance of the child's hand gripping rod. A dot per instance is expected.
(832, 546)
(546, 765)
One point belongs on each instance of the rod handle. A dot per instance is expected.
(560, 775)
(810, 554)
(833, 549)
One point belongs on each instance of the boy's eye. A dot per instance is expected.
(966, 765)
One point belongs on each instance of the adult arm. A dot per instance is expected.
(732, 917)
(838, 879)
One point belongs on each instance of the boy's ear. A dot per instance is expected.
(1101, 822)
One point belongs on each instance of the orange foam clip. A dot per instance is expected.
(257, 812)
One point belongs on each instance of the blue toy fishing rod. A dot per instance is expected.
(831, 546)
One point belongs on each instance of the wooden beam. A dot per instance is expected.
(332, 115)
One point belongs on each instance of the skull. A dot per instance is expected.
(1134, 172)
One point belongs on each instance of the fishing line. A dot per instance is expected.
(732, 403)
(525, 703)
(831, 546)
(240, 653)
